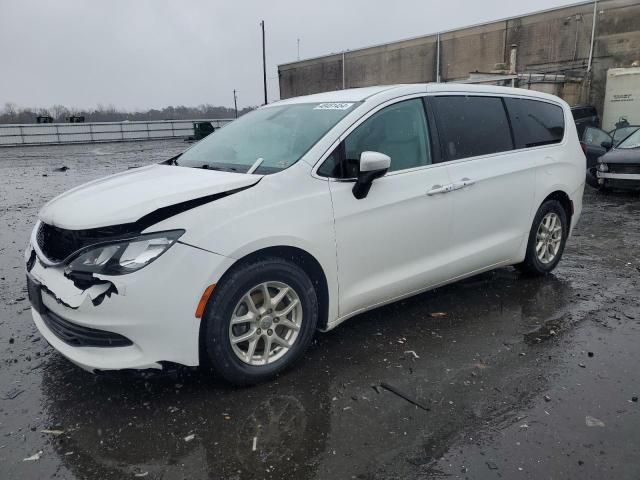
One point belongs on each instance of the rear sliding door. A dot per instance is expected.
(494, 183)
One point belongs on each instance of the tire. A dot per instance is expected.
(241, 294)
(540, 264)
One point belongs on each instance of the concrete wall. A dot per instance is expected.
(554, 41)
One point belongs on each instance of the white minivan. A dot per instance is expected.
(299, 215)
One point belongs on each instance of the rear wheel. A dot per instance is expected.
(260, 321)
(547, 239)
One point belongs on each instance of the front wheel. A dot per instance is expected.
(547, 239)
(259, 321)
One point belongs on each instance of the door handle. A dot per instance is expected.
(465, 182)
(436, 189)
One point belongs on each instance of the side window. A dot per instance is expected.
(535, 123)
(595, 136)
(471, 126)
(399, 130)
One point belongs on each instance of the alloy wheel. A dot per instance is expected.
(265, 323)
(549, 238)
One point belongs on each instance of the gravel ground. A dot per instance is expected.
(522, 378)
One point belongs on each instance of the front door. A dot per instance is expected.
(395, 240)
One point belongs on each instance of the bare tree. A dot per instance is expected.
(11, 113)
(59, 112)
(10, 109)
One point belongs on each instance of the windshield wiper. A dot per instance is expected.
(206, 166)
(255, 165)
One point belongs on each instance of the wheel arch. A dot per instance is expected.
(563, 198)
(309, 264)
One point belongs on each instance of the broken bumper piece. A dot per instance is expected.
(133, 321)
(68, 332)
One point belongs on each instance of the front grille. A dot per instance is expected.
(624, 168)
(58, 243)
(78, 336)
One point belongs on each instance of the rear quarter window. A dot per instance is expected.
(470, 126)
(535, 122)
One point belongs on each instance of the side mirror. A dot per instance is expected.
(606, 145)
(372, 165)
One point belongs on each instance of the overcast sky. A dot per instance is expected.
(139, 54)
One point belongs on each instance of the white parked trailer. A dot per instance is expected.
(622, 97)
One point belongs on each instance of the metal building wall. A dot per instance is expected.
(554, 41)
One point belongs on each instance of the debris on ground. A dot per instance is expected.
(53, 432)
(141, 474)
(492, 466)
(547, 398)
(634, 398)
(188, 438)
(438, 314)
(36, 456)
(63, 168)
(542, 332)
(255, 444)
(411, 352)
(404, 395)
(13, 393)
(593, 422)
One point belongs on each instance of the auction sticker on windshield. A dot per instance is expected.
(333, 106)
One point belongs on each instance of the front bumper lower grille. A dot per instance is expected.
(78, 336)
(624, 168)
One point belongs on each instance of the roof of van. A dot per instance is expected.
(390, 91)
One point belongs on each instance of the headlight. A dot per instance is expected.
(126, 256)
(603, 167)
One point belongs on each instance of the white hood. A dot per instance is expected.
(125, 197)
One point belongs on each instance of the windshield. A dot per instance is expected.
(621, 133)
(278, 135)
(632, 141)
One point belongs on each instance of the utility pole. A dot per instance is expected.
(343, 74)
(438, 59)
(264, 64)
(298, 49)
(235, 102)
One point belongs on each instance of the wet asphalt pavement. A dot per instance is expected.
(517, 377)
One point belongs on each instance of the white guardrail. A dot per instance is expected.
(93, 132)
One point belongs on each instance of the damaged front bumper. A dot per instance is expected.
(133, 321)
(619, 176)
